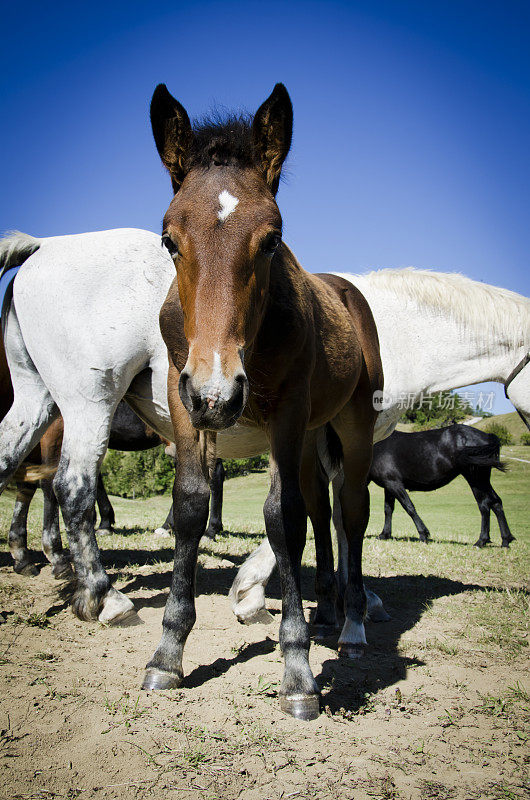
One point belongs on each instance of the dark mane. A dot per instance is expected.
(223, 140)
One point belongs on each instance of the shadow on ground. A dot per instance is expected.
(345, 684)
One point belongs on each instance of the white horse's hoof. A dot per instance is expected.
(248, 609)
(116, 608)
(104, 532)
(163, 532)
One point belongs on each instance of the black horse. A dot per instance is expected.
(427, 460)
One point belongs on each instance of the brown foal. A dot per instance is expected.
(257, 340)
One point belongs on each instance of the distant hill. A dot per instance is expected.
(512, 422)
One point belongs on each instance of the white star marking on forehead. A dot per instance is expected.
(228, 204)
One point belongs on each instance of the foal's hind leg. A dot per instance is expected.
(355, 434)
(315, 489)
(18, 532)
(86, 432)
(375, 610)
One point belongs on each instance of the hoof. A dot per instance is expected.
(506, 542)
(27, 569)
(378, 614)
(104, 532)
(250, 604)
(63, 571)
(157, 679)
(212, 531)
(261, 617)
(425, 538)
(322, 632)
(163, 532)
(482, 542)
(375, 610)
(352, 650)
(384, 536)
(116, 608)
(301, 706)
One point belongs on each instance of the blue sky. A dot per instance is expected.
(412, 121)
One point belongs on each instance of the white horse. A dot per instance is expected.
(437, 331)
(82, 332)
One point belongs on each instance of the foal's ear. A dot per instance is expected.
(272, 130)
(172, 131)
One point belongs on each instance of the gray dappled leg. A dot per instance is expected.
(86, 432)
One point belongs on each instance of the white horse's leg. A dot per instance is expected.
(86, 433)
(247, 593)
(519, 392)
(32, 411)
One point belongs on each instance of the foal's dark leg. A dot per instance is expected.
(315, 489)
(106, 512)
(285, 523)
(18, 532)
(354, 425)
(51, 535)
(215, 525)
(408, 505)
(191, 494)
(386, 533)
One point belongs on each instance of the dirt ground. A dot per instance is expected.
(428, 712)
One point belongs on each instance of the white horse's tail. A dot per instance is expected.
(15, 248)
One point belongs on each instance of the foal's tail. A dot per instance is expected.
(329, 450)
(15, 248)
(31, 473)
(485, 455)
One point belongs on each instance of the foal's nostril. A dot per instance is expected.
(240, 395)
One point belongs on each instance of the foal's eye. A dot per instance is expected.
(271, 244)
(170, 245)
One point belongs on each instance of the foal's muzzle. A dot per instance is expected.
(209, 408)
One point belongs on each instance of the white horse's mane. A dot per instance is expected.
(478, 306)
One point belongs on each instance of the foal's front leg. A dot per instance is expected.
(191, 494)
(285, 522)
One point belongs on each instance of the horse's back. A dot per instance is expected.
(94, 293)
